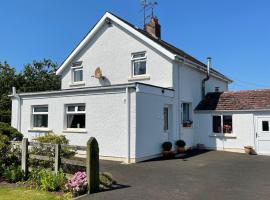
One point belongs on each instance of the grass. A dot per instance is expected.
(20, 193)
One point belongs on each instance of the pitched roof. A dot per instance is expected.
(160, 44)
(240, 100)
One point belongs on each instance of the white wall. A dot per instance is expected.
(149, 124)
(243, 131)
(111, 50)
(106, 115)
(189, 88)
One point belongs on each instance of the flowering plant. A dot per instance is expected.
(77, 184)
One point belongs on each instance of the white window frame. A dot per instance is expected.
(190, 114)
(221, 117)
(76, 111)
(136, 60)
(39, 113)
(76, 68)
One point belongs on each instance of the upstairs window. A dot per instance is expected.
(40, 117)
(222, 124)
(75, 115)
(77, 74)
(138, 63)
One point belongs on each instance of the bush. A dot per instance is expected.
(167, 146)
(10, 132)
(13, 173)
(180, 143)
(47, 180)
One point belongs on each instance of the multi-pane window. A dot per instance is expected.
(166, 118)
(75, 115)
(222, 124)
(138, 63)
(77, 74)
(186, 114)
(40, 116)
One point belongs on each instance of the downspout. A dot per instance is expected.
(128, 124)
(207, 77)
(14, 93)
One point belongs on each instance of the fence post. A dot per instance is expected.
(92, 165)
(57, 159)
(24, 162)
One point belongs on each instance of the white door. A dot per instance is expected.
(263, 135)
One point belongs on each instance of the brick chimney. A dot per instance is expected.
(153, 28)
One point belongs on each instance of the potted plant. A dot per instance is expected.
(180, 144)
(248, 149)
(167, 150)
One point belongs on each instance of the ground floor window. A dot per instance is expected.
(166, 118)
(40, 116)
(75, 115)
(186, 114)
(222, 124)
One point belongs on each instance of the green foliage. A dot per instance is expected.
(106, 180)
(52, 138)
(167, 146)
(47, 180)
(13, 173)
(10, 132)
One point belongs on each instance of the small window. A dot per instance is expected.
(77, 74)
(222, 124)
(265, 125)
(138, 64)
(186, 115)
(75, 115)
(166, 118)
(40, 117)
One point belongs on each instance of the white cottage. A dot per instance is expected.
(126, 87)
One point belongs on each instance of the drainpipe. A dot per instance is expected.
(207, 76)
(14, 93)
(128, 124)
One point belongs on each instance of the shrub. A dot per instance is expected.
(10, 132)
(13, 173)
(77, 184)
(47, 180)
(106, 180)
(180, 143)
(167, 146)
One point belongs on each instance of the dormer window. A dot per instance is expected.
(138, 63)
(77, 74)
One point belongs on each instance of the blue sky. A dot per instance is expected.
(236, 34)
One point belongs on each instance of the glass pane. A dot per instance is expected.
(81, 108)
(227, 124)
(71, 108)
(185, 112)
(78, 75)
(40, 121)
(216, 124)
(265, 125)
(76, 121)
(41, 109)
(138, 55)
(139, 68)
(166, 118)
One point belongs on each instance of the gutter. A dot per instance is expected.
(15, 95)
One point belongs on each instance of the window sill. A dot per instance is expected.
(139, 78)
(74, 130)
(81, 83)
(40, 130)
(223, 135)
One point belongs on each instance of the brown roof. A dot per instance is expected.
(241, 100)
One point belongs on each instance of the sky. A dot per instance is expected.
(235, 33)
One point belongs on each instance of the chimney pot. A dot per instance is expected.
(153, 28)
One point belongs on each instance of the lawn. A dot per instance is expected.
(20, 193)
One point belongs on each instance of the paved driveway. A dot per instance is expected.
(212, 175)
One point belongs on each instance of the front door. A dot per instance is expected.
(263, 135)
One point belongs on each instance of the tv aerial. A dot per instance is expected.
(147, 6)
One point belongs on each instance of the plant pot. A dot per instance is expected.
(248, 150)
(180, 149)
(168, 154)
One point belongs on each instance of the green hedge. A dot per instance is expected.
(10, 132)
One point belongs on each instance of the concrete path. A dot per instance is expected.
(212, 175)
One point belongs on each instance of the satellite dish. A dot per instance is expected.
(98, 73)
